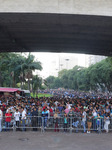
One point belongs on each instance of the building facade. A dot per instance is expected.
(93, 59)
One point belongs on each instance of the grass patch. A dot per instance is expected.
(41, 95)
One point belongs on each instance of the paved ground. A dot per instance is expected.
(54, 141)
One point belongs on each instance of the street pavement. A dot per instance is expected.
(54, 141)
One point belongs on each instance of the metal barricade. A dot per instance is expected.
(43, 124)
(30, 123)
(6, 125)
(57, 124)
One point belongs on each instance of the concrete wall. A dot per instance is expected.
(90, 7)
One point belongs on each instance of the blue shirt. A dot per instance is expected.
(65, 120)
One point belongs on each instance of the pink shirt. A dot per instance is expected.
(67, 110)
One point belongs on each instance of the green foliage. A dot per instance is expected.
(62, 72)
(50, 81)
(40, 95)
(36, 83)
(53, 82)
(16, 70)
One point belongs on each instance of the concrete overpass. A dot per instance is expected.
(83, 26)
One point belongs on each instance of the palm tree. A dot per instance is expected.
(16, 68)
(3, 66)
(36, 83)
(30, 66)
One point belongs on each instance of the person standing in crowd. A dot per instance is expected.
(44, 117)
(71, 116)
(56, 121)
(76, 121)
(51, 116)
(107, 122)
(89, 121)
(1, 116)
(17, 118)
(107, 110)
(72, 106)
(84, 120)
(34, 113)
(94, 113)
(23, 118)
(65, 122)
(98, 122)
(71, 113)
(40, 116)
(67, 110)
(8, 116)
(68, 105)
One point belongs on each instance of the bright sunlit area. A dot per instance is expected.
(52, 63)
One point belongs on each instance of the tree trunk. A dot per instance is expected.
(28, 84)
(14, 82)
(0, 79)
(21, 84)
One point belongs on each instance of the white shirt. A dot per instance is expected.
(84, 116)
(23, 114)
(8, 110)
(94, 114)
(17, 116)
(69, 106)
(56, 102)
(1, 114)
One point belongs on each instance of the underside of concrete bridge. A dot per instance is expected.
(53, 32)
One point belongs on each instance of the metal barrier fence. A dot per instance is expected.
(60, 124)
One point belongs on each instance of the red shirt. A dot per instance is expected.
(50, 110)
(44, 107)
(77, 109)
(8, 115)
(3, 107)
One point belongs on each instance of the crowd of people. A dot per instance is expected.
(67, 113)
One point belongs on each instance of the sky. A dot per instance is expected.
(52, 62)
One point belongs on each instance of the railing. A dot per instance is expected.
(74, 124)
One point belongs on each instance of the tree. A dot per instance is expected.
(30, 66)
(36, 83)
(15, 68)
(62, 72)
(96, 77)
(50, 81)
(57, 83)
